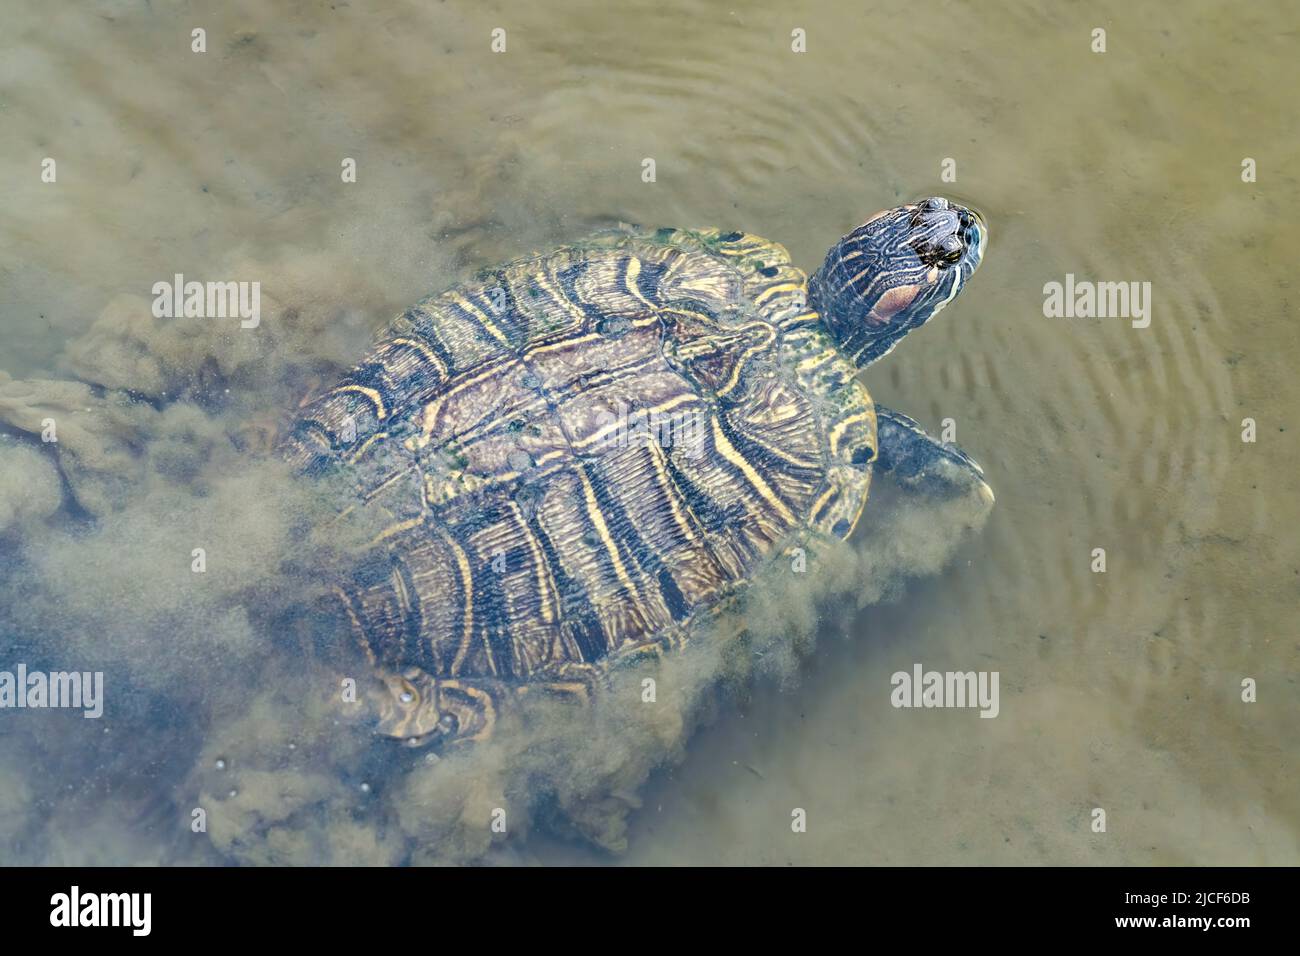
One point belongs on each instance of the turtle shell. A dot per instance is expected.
(578, 454)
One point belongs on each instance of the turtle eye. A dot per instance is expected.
(862, 455)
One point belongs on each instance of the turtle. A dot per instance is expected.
(579, 456)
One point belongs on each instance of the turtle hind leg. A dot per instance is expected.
(922, 465)
(419, 710)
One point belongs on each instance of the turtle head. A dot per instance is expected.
(420, 710)
(895, 272)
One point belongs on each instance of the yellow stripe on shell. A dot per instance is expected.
(629, 281)
(545, 582)
(779, 287)
(429, 354)
(769, 336)
(356, 625)
(404, 603)
(467, 598)
(370, 393)
(825, 498)
(602, 529)
(752, 476)
(542, 277)
(837, 432)
(489, 326)
(659, 459)
(396, 529)
(361, 450)
(660, 409)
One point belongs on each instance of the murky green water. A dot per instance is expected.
(1119, 690)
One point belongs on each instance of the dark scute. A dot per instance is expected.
(614, 326)
(373, 570)
(673, 597)
(368, 375)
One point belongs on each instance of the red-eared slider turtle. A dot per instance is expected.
(579, 454)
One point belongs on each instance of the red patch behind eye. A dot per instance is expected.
(890, 304)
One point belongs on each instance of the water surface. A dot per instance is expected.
(1120, 690)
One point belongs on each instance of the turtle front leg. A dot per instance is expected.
(927, 498)
(921, 465)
